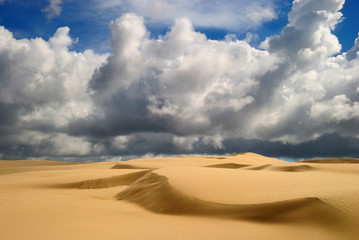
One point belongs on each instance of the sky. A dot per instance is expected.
(117, 79)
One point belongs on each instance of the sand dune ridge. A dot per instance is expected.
(121, 180)
(154, 192)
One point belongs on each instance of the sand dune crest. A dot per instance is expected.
(121, 180)
(125, 166)
(259, 167)
(228, 165)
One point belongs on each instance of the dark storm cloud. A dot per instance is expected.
(326, 146)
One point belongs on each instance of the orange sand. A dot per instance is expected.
(242, 196)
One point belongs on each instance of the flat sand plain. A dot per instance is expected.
(242, 196)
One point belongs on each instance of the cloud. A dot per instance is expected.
(54, 9)
(43, 87)
(326, 146)
(237, 15)
(182, 93)
(180, 84)
(353, 52)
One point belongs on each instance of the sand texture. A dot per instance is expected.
(241, 196)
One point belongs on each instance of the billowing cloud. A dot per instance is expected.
(180, 84)
(183, 93)
(43, 88)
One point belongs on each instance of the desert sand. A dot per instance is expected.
(242, 196)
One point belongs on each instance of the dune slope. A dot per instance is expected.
(242, 196)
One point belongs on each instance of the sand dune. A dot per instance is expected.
(8, 167)
(333, 160)
(299, 168)
(242, 196)
(121, 180)
(228, 165)
(154, 192)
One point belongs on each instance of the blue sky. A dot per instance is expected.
(117, 79)
(89, 22)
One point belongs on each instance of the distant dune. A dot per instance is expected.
(241, 196)
(333, 160)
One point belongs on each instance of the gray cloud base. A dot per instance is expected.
(297, 96)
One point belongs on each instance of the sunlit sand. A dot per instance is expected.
(242, 196)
